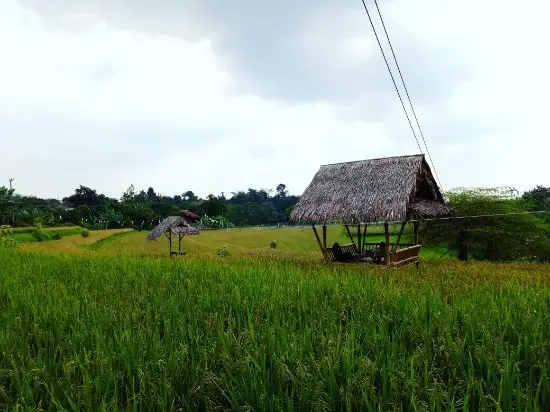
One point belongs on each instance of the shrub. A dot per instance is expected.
(518, 237)
(85, 233)
(6, 241)
(273, 244)
(39, 235)
(223, 251)
(56, 235)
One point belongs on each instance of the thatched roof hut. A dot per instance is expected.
(176, 225)
(376, 190)
(173, 225)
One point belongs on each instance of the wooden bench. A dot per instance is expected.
(405, 256)
(350, 249)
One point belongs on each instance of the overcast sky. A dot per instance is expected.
(219, 96)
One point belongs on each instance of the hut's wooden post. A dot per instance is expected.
(324, 235)
(318, 239)
(179, 243)
(387, 246)
(399, 235)
(349, 234)
(170, 241)
(415, 236)
(462, 248)
(364, 237)
(359, 237)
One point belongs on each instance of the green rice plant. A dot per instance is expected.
(56, 235)
(84, 233)
(39, 235)
(112, 333)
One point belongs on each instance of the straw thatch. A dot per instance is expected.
(189, 216)
(376, 190)
(174, 224)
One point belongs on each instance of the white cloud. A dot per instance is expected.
(84, 100)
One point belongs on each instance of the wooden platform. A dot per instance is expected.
(401, 255)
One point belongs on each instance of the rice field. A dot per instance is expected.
(292, 243)
(110, 323)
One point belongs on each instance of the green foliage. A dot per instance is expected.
(223, 251)
(56, 235)
(40, 235)
(273, 244)
(83, 333)
(5, 237)
(6, 205)
(84, 233)
(538, 198)
(141, 210)
(86, 196)
(24, 235)
(498, 238)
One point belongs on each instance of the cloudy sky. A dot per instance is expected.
(218, 96)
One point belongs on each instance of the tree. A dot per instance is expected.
(538, 199)
(85, 196)
(6, 204)
(130, 194)
(281, 190)
(151, 195)
(212, 206)
(496, 238)
(189, 197)
(141, 196)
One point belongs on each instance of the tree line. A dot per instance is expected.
(144, 208)
(511, 237)
(503, 226)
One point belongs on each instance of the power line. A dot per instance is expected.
(391, 75)
(539, 212)
(406, 91)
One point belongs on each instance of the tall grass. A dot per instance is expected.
(99, 333)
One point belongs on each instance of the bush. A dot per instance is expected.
(223, 251)
(85, 233)
(39, 235)
(56, 235)
(6, 241)
(273, 244)
(518, 237)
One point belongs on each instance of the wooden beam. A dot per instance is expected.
(170, 240)
(364, 237)
(350, 235)
(399, 235)
(359, 237)
(179, 243)
(415, 233)
(387, 246)
(462, 248)
(317, 237)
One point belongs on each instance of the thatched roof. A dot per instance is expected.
(376, 190)
(175, 224)
(189, 215)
